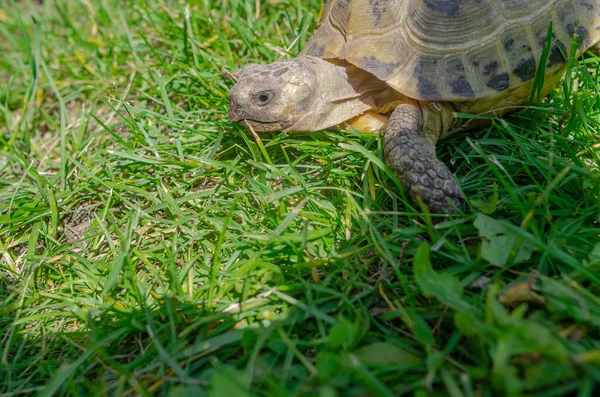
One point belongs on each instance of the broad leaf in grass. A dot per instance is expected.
(593, 260)
(328, 365)
(487, 205)
(499, 244)
(439, 285)
(227, 381)
(344, 334)
(385, 353)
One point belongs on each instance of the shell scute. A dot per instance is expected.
(457, 80)
(520, 57)
(425, 68)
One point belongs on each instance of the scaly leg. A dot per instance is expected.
(409, 149)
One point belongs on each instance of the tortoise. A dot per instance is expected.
(418, 62)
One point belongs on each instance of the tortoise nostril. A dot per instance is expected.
(235, 110)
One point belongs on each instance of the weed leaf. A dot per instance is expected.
(499, 246)
(441, 286)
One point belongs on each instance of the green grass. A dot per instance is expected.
(148, 246)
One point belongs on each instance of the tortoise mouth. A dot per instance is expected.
(236, 114)
(261, 126)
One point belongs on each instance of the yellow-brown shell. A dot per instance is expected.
(453, 50)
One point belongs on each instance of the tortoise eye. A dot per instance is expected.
(263, 97)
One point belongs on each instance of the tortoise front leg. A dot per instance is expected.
(409, 149)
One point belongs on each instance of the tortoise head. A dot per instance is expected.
(300, 94)
(273, 97)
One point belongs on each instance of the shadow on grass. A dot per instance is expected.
(120, 352)
(179, 348)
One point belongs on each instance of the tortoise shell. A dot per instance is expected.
(454, 50)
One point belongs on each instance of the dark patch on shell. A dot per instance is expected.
(525, 70)
(563, 12)
(427, 88)
(447, 7)
(499, 81)
(583, 35)
(459, 85)
(580, 31)
(383, 70)
(509, 44)
(557, 53)
(587, 5)
(462, 87)
(377, 11)
(490, 68)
